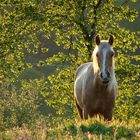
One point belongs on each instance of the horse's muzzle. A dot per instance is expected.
(105, 77)
(105, 81)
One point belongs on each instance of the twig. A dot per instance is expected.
(125, 2)
(93, 26)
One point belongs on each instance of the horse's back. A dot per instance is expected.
(82, 69)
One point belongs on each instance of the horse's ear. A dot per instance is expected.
(97, 39)
(111, 40)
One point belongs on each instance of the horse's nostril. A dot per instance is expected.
(105, 79)
(108, 74)
(105, 76)
(101, 75)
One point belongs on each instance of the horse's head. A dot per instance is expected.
(103, 59)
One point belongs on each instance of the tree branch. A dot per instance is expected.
(125, 2)
(93, 26)
(82, 17)
(99, 4)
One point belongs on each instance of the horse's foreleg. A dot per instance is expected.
(108, 115)
(85, 113)
(79, 110)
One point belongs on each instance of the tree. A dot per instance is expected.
(74, 25)
(21, 23)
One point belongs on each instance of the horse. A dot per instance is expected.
(95, 85)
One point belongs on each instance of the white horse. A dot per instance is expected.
(95, 85)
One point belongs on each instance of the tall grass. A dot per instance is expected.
(94, 129)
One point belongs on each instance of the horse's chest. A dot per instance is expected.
(98, 104)
(98, 101)
(98, 98)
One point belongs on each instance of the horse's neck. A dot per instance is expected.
(98, 83)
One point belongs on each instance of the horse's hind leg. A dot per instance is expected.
(85, 113)
(79, 110)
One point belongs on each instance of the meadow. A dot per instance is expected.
(93, 129)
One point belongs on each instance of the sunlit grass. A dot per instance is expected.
(93, 129)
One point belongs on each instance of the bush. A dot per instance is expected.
(18, 106)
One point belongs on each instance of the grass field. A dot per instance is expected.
(77, 130)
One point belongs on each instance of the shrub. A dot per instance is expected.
(18, 106)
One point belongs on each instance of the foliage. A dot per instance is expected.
(21, 23)
(19, 106)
